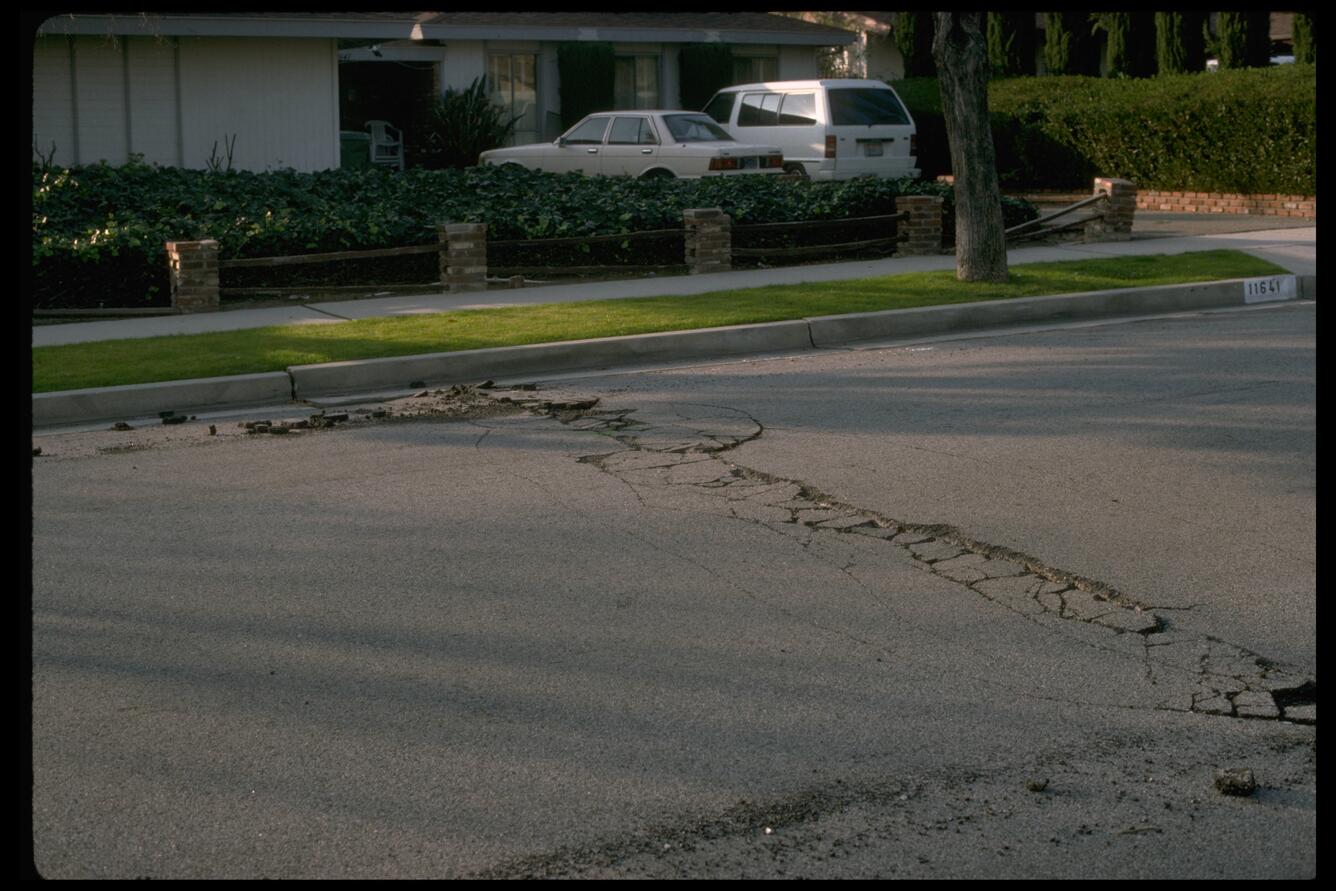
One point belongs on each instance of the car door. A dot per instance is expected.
(632, 146)
(579, 148)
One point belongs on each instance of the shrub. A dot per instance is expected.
(98, 231)
(1251, 131)
(463, 124)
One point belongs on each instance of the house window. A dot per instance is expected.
(513, 81)
(636, 82)
(755, 69)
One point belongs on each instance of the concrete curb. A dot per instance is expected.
(312, 381)
(402, 373)
(137, 400)
(836, 330)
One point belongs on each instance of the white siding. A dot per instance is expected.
(884, 61)
(549, 92)
(671, 86)
(277, 96)
(464, 60)
(52, 102)
(100, 98)
(797, 63)
(170, 102)
(154, 130)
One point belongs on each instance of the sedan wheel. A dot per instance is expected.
(660, 174)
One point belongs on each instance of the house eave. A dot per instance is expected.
(325, 26)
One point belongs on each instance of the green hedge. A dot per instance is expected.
(98, 231)
(1248, 131)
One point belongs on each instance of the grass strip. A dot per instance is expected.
(179, 357)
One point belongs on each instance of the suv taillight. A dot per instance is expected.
(913, 144)
(830, 146)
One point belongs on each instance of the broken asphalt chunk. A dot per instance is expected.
(1130, 620)
(1255, 704)
(1237, 781)
(935, 550)
(1299, 714)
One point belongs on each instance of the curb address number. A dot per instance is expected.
(1275, 287)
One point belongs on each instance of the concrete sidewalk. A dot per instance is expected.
(1295, 249)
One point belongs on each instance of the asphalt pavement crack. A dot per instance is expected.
(679, 449)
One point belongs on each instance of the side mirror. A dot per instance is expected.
(561, 141)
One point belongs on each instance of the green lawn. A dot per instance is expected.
(177, 357)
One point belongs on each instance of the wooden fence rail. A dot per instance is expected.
(587, 239)
(301, 259)
(462, 250)
(817, 224)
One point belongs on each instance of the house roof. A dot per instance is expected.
(630, 27)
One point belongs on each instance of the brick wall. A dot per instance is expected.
(1217, 202)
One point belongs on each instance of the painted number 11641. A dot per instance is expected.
(1275, 287)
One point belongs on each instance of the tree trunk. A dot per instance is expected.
(961, 51)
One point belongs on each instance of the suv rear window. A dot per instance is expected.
(860, 106)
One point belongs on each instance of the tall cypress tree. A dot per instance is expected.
(1058, 37)
(1305, 38)
(1130, 48)
(1179, 43)
(1069, 45)
(1170, 54)
(1232, 40)
(1011, 45)
(1116, 27)
(1257, 43)
(913, 38)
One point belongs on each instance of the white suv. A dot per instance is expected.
(828, 129)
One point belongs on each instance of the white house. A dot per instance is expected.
(184, 89)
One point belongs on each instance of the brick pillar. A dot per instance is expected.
(709, 240)
(464, 256)
(922, 233)
(1119, 211)
(193, 267)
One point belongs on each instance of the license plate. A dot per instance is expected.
(749, 163)
(872, 149)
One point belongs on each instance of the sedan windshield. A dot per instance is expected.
(695, 128)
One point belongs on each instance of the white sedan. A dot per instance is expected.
(644, 143)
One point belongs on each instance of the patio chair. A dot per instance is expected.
(387, 144)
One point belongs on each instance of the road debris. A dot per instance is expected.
(1237, 781)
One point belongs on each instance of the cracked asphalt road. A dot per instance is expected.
(975, 608)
